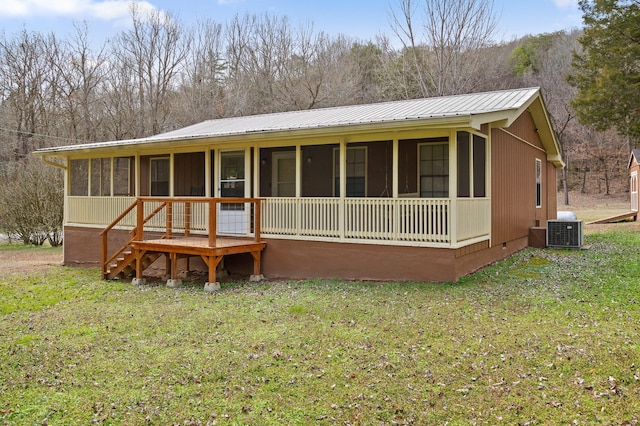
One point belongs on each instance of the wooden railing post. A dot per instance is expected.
(169, 220)
(187, 218)
(256, 225)
(212, 222)
(139, 220)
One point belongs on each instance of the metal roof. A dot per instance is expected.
(635, 155)
(379, 114)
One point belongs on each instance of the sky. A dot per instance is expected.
(361, 19)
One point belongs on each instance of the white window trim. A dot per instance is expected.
(419, 186)
(538, 176)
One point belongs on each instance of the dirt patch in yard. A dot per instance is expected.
(18, 261)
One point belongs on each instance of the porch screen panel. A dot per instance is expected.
(464, 187)
(79, 179)
(100, 177)
(122, 176)
(434, 170)
(479, 166)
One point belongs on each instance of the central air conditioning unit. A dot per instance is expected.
(564, 233)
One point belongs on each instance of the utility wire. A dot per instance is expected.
(20, 132)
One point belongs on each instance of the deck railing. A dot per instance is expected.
(424, 221)
(175, 217)
(376, 219)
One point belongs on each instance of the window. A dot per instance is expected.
(356, 171)
(434, 170)
(79, 179)
(160, 177)
(538, 183)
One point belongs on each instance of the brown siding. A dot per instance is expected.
(525, 128)
(513, 189)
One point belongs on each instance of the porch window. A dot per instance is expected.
(79, 179)
(160, 177)
(538, 182)
(100, 177)
(356, 171)
(434, 170)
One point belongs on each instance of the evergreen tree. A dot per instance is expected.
(607, 71)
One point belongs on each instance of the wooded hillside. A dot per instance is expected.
(160, 74)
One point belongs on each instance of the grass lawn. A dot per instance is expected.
(547, 337)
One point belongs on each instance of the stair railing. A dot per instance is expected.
(136, 233)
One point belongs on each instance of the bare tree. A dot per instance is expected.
(201, 94)
(81, 72)
(444, 48)
(23, 68)
(153, 51)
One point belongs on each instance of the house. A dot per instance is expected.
(425, 189)
(634, 167)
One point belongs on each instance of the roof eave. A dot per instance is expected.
(155, 143)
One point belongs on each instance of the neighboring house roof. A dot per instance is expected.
(635, 156)
(471, 110)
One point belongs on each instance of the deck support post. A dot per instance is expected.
(172, 270)
(212, 263)
(138, 280)
(257, 276)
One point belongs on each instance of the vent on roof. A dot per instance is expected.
(564, 233)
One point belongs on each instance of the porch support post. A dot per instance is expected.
(394, 172)
(343, 189)
(453, 187)
(298, 171)
(171, 174)
(136, 188)
(256, 171)
(207, 173)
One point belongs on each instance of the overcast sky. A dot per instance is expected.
(363, 19)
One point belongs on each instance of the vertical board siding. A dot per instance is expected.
(513, 189)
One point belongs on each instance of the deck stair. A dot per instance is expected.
(125, 265)
(138, 253)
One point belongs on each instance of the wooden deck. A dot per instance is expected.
(617, 218)
(184, 247)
